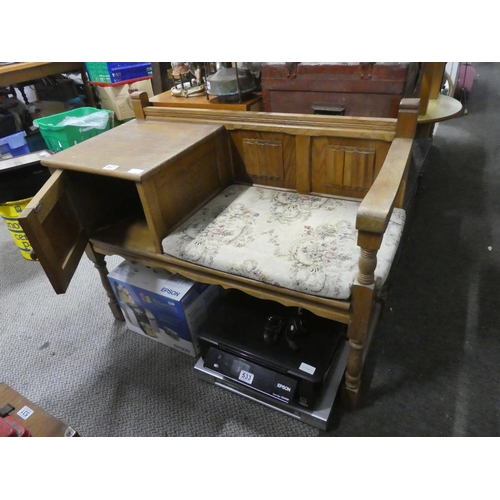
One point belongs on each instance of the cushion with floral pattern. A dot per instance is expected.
(300, 242)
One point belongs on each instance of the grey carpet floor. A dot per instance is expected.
(432, 370)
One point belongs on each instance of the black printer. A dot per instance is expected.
(283, 352)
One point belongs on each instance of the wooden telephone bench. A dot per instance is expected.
(129, 190)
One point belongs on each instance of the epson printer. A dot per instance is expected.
(282, 356)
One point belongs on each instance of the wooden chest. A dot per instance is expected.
(351, 89)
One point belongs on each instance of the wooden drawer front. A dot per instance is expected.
(376, 105)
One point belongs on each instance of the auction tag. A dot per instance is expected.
(307, 368)
(25, 412)
(246, 377)
(135, 171)
(110, 167)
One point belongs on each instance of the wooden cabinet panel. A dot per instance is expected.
(351, 168)
(343, 169)
(127, 194)
(55, 230)
(184, 187)
(264, 159)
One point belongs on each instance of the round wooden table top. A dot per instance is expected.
(440, 109)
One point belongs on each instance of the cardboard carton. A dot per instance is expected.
(162, 306)
(117, 97)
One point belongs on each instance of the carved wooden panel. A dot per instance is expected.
(351, 168)
(264, 158)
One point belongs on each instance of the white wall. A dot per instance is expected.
(452, 69)
(30, 94)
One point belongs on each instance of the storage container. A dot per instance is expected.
(14, 144)
(9, 212)
(350, 89)
(23, 181)
(36, 142)
(59, 136)
(113, 72)
(20, 180)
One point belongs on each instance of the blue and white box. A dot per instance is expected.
(162, 306)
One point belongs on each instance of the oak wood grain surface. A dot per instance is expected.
(133, 150)
(40, 423)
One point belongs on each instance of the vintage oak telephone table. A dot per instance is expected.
(133, 191)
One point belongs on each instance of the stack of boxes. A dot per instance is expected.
(115, 81)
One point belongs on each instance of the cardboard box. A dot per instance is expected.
(162, 306)
(117, 98)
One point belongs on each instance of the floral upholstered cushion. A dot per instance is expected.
(301, 242)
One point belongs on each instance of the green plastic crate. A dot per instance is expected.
(98, 72)
(59, 137)
(115, 72)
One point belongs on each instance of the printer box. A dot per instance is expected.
(162, 306)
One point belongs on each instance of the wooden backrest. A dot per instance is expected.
(331, 155)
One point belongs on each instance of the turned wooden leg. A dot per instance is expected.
(358, 336)
(100, 264)
(362, 307)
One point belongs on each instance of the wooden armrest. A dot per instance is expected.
(376, 208)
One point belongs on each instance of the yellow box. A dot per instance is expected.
(117, 97)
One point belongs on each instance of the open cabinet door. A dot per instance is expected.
(55, 230)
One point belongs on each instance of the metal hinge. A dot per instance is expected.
(366, 69)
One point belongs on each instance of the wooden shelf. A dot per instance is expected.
(129, 235)
(166, 100)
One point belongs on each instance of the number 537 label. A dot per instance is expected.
(246, 377)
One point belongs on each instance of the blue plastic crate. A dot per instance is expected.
(114, 72)
(14, 144)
